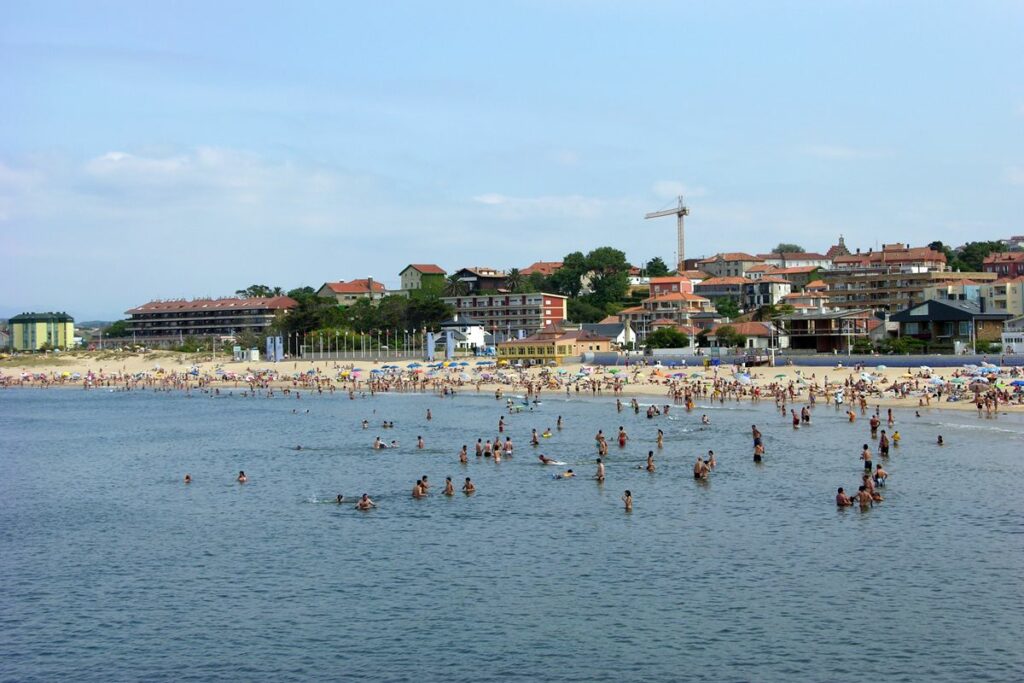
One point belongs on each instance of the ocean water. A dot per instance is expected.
(112, 569)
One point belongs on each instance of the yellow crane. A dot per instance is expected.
(679, 211)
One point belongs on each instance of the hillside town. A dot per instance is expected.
(895, 299)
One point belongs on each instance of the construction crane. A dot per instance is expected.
(680, 211)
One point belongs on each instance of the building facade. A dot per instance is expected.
(829, 331)
(730, 287)
(729, 264)
(481, 279)
(672, 284)
(766, 291)
(505, 315)
(889, 288)
(206, 317)
(425, 276)
(1013, 336)
(1004, 263)
(944, 324)
(1005, 295)
(37, 331)
(347, 293)
(552, 344)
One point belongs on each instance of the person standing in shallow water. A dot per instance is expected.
(627, 500)
(449, 489)
(468, 487)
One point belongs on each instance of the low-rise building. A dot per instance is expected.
(945, 324)
(468, 333)
(619, 333)
(482, 279)
(953, 290)
(1013, 336)
(347, 293)
(1004, 263)
(670, 284)
(766, 291)
(1005, 295)
(829, 331)
(505, 315)
(553, 343)
(729, 264)
(892, 256)
(759, 335)
(425, 276)
(797, 259)
(37, 331)
(730, 287)
(179, 318)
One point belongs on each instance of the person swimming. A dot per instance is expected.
(365, 503)
(940, 442)
(449, 488)
(339, 499)
(627, 499)
(241, 477)
(545, 460)
(843, 500)
(188, 478)
(468, 487)
(568, 474)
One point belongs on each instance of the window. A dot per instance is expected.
(965, 328)
(911, 328)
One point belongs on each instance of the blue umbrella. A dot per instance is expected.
(1018, 382)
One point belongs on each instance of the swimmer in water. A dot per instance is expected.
(545, 460)
(449, 488)
(627, 499)
(188, 478)
(700, 469)
(425, 484)
(864, 497)
(568, 474)
(366, 424)
(843, 500)
(468, 487)
(650, 461)
(711, 462)
(547, 433)
(419, 442)
(704, 419)
(417, 489)
(394, 444)
(339, 499)
(463, 455)
(365, 503)
(429, 416)
(242, 478)
(378, 444)
(940, 442)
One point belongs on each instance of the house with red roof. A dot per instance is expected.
(1004, 263)
(347, 293)
(729, 264)
(545, 268)
(427, 276)
(759, 335)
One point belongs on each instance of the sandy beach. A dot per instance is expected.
(169, 368)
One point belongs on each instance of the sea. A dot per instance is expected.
(113, 569)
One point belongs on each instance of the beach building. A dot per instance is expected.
(179, 318)
(482, 279)
(468, 333)
(554, 344)
(347, 293)
(729, 264)
(425, 276)
(766, 291)
(759, 335)
(949, 325)
(620, 334)
(37, 331)
(830, 331)
(1013, 336)
(506, 315)
(1004, 263)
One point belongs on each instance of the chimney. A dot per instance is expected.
(369, 286)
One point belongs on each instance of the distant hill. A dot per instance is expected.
(93, 323)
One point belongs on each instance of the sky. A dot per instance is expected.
(164, 150)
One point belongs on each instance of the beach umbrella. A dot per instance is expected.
(881, 368)
(614, 371)
(958, 380)
(782, 376)
(936, 380)
(463, 364)
(483, 362)
(1018, 382)
(979, 386)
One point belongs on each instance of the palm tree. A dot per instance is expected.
(453, 286)
(514, 280)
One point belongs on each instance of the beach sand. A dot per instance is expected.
(642, 381)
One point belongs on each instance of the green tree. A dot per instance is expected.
(727, 307)
(788, 248)
(259, 291)
(537, 282)
(666, 338)
(568, 280)
(514, 280)
(116, 329)
(728, 336)
(453, 286)
(972, 255)
(583, 312)
(773, 311)
(656, 267)
(609, 275)
(426, 311)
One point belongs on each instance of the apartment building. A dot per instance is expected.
(1004, 263)
(505, 315)
(206, 317)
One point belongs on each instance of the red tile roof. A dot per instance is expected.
(668, 279)
(748, 329)
(545, 268)
(355, 287)
(225, 304)
(816, 284)
(772, 278)
(425, 268)
(731, 280)
(731, 256)
(890, 253)
(1004, 257)
(675, 296)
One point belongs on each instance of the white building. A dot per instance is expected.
(1013, 335)
(469, 334)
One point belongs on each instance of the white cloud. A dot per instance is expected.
(842, 152)
(553, 206)
(1015, 175)
(670, 189)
